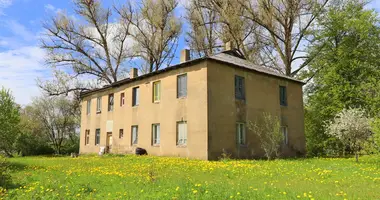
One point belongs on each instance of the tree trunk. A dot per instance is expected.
(8, 154)
(357, 156)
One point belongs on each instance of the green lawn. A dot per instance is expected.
(132, 177)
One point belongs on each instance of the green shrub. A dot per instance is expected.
(5, 176)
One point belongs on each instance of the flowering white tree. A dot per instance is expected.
(352, 127)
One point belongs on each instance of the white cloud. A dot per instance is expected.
(19, 69)
(4, 4)
(49, 7)
(375, 4)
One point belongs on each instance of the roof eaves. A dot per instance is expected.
(129, 80)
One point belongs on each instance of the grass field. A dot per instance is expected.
(132, 177)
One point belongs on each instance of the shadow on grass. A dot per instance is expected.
(15, 166)
(10, 186)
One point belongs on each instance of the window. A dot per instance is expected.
(182, 85)
(97, 136)
(239, 88)
(99, 105)
(157, 91)
(156, 134)
(135, 96)
(240, 131)
(122, 99)
(87, 137)
(181, 133)
(110, 102)
(135, 134)
(284, 131)
(283, 98)
(121, 133)
(88, 107)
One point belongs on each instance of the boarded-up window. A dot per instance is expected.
(181, 133)
(239, 88)
(122, 99)
(157, 91)
(182, 85)
(283, 96)
(135, 134)
(110, 102)
(156, 134)
(99, 104)
(88, 106)
(240, 133)
(135, 96)
(97, 136)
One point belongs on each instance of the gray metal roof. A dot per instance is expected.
(230, 59)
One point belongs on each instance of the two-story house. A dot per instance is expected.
(198, 109)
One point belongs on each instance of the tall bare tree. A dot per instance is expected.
(286, 24)
(213, 23)
(91, 46)
(236, 28)
(202, 36)
(155, 30)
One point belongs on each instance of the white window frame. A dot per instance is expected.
(135, 96)
(157, 98)
(111, 104)
(241, 136)
(284, 131)
(182, 133)
(98, 104)
(87, 137)
(134, 135)
(122, 99)
(182, 84)
(88, 106)
(97, 139)
(156, 134)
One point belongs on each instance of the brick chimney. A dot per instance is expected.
(185, 55)
(229, 46)
(133, 73)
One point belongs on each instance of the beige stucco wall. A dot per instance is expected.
(210, 110)
(167, 112)
(262, 95)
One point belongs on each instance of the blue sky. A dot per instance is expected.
(21, 59)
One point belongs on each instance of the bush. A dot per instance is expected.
(5, 176)
(267, 129)
(30, 145)
(352, 128)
